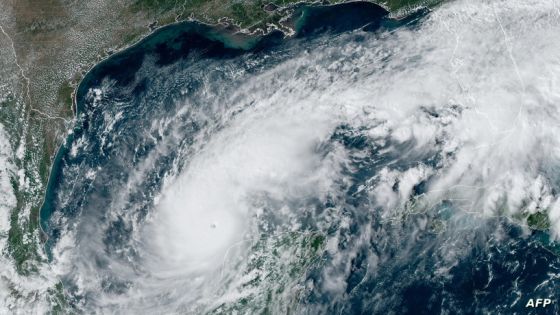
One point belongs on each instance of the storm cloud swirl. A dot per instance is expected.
(359, 171)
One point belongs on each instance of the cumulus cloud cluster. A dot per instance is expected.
(18, 292)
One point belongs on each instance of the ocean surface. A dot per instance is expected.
(214, 172)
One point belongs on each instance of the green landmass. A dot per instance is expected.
(279, 264)
(538, 221)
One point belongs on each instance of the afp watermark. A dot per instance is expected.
(534, 303)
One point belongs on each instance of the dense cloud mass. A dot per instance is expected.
(353, 172)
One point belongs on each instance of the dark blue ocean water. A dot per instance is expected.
(115, 139)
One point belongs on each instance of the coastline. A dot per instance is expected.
(307, 20)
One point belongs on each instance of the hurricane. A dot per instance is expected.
(384, 168)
